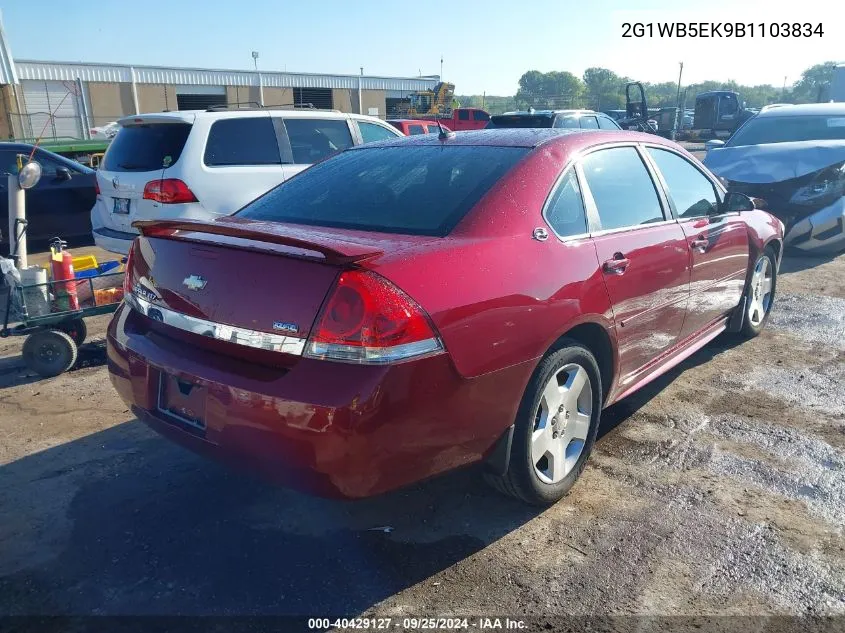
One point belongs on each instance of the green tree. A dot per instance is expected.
(814, 85)
(556, 89)
(603, 89)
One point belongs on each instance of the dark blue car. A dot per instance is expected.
(59, 205)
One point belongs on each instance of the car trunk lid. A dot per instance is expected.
(232, 274)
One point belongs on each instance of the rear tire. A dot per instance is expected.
(759, 295)
(555, 427)
(49, 352)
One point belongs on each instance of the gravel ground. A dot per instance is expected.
(717, 490)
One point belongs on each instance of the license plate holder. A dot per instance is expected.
(182, 401)
(121, 206)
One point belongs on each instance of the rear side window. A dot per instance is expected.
(606, 123)
(690, 190)
(589, 123)
(370, 132)
(621, 187)
(416, 129)
(463, 115)
(479, 115)
(417, 190)
(565, 212)
(568, 122)
(312, 140)
(146, 147)
(248, 141)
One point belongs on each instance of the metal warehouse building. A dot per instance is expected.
(85, 95)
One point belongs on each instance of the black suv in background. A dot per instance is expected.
(571, 119)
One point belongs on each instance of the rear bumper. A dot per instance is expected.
(113, 241)
(823, 231)
(326, 428)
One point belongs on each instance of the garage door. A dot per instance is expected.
(44, 97)
(200, 97)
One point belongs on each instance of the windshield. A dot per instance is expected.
(146, 147)
(521, 121)
(422, 190)
(785, 129)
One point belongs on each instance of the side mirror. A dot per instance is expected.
(713, 144)
(738, 202)
(63, 174)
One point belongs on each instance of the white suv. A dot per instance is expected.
(202, 164)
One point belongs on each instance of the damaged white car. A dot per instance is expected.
(793, 157)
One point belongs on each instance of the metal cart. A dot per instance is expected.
(54, 332)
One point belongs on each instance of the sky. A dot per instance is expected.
(486, 46)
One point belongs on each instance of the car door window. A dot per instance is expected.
(621, 188)
(312, 140)
(463, 115)
(691, 191)
(417, 129)
(589, 123)
(372, 132)
(245, 141)
(565, 210)
(566, 122)
(480, 115)
(606, 123)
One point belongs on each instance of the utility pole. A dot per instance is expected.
(255, 59)
(783, 92)
(441, 67)
(678, 114)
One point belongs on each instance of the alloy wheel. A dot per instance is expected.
(760, 298)
(561, 423)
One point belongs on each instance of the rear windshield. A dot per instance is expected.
(416, 190)
(784, 129)
(146, 147)
(520, 121)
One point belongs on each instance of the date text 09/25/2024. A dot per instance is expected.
(722, 29)
(417, 624)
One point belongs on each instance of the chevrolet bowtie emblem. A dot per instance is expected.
(194, 282)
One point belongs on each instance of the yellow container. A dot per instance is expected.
(84, 262)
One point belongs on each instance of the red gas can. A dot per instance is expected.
(61, 270)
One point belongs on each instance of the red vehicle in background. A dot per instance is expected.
(465, 119)
(412, 127)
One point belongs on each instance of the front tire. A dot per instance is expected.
(759, 295)
(555, 427)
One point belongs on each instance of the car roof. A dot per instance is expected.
(711, 93)
(804, 109)
(519, 137)
(189, 116)
(411, 121)
(544, 112)
(26, 148)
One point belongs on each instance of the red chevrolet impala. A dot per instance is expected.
(409, 307)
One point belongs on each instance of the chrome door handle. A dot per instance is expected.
(700, 242)
(618, 265)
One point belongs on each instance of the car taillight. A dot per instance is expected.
(168, 191)
(127, 272)
(367, 320)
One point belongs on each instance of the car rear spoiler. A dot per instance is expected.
(331, 247)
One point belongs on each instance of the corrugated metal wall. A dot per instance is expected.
(43, 97)
(62, 71)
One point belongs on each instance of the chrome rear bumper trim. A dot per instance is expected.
(218, 331)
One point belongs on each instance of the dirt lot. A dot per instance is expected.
(718, 490)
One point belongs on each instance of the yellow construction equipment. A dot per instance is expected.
(437, 102)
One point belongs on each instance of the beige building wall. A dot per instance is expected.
(9, 123)
(244, 94)
(371, 99)
(278, 96)
(109, 101)
(342, 100)
(156, 97)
